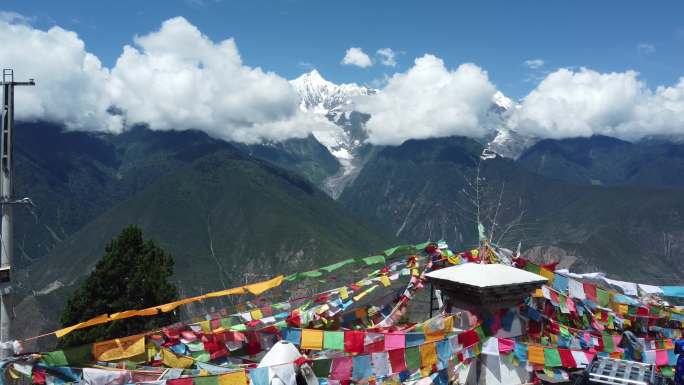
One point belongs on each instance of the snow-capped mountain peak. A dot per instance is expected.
(502, 100)
(505, 141)
(322, 96)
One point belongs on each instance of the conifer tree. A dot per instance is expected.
(133, 274)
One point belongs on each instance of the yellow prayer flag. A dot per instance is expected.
(546, 273)
(535, 354)
(428, 357)
(171, 360)
(206, 326)
(151, 351)
(258, 288)
(312, 339)
(365, 292)
(385, 280)
(623, 309)
(13, 373)
(432, 335)
(322, 309)
(669, 345)
(538, 293)
(101, 319)
(256, 314)
(119, 348)
(343, 293)
(234, 378)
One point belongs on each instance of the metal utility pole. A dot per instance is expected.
(7, 201)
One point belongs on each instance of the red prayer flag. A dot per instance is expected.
(566, 358)
(253, 343)
(590, 291)
(375, 347)
(506, 345)
(396, 358)
(38, 376)
(353, 341)
(468, 338)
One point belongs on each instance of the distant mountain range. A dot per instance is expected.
(229, 209)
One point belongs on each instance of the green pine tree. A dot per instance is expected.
(133, 274)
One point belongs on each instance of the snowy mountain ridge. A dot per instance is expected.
(335, 101)
(322, 96)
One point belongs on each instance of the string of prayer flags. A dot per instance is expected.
(255, 289)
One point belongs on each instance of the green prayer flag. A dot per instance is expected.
(603, 297)
(311, 274)
(195, 346)
(225, 323)
(667, 371)
(205, 380)
(337, 265)
(70, 356)
(321, 368)
(238, 328)
(390, 251)
(292, 277)
(201, 356)
(564, 331)
(480, 333)
(532, 268)
(374, 259)
(423, 245)
(412, 358)
(333, 340)
(608, 343)
(552, 358)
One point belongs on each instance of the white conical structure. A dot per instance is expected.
(283, 354)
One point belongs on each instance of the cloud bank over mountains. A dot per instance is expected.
(174, 78)
(178, 78)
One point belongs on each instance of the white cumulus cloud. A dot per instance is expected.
(71, 82)
(571, 103)
(387, 57)
(174, 78)
(356, 57)
(429, 100)
(178, 78)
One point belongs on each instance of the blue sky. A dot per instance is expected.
(499, 36)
